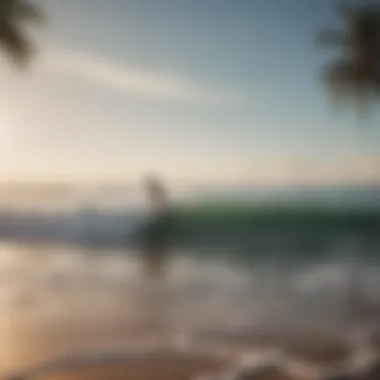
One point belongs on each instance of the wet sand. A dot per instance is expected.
(96, 319)
(100, 349)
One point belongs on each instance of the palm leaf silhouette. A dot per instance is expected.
(14, 39)
(354, 76)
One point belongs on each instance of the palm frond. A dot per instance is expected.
(16, 43)
(355, 76)
(336, 79)
(346, 84)
(14, 15)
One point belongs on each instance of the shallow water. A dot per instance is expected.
(56, 300)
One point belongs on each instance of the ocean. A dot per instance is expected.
(247, 223)
(248, 271)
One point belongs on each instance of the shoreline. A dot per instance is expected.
(174, 360)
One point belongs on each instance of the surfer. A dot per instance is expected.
(155, 232)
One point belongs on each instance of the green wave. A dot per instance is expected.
(274, 214)
(264, 231)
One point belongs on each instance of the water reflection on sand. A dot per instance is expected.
(59, 300)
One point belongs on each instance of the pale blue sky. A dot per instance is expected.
(195, 89)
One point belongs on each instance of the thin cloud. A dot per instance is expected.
(136, 81)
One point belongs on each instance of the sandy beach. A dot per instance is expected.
(74, 316)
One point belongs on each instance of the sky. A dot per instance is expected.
(195, 90)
